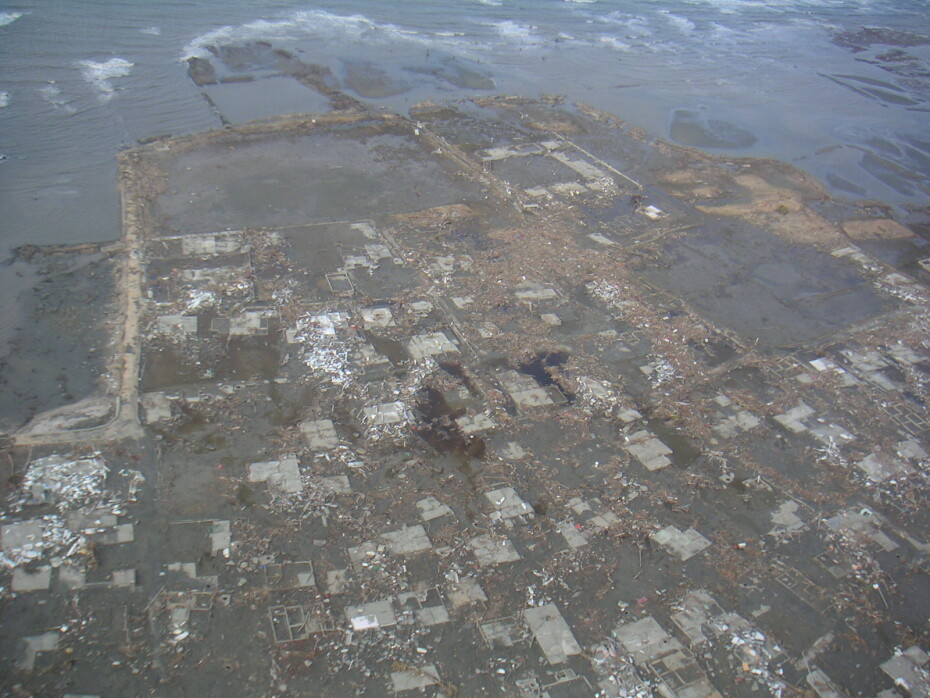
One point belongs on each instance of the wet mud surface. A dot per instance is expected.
(59, 345)
(764, 289)
(307, 178)
(695, 128)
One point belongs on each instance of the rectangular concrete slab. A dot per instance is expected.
(552, 633)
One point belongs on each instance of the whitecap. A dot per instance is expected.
(151, 31)
(9, 17)
(683, 24)
(614, 42)
(260, 29)
(491, 3)
(4, 99)
(51, 93)
(637, 26)
(508, 29)
(732, 7)
(318, 24)
(722, 31)
(99, 74)
(229, 34)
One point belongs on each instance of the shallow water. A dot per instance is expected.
(81, 80)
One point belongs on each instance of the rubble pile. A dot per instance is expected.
(65, 482)
(322, 351)
(48, 536)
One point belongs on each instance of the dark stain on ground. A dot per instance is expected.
(713, 352)
(544, 367)
(436, 425)
(392, 350)
(197, 432)
(455, 369)
(472, 235)
(541, 506)
(683, 451)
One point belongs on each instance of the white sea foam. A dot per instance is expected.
(100, 74)
(492, 3)
(636, 26)
(683, 24)
(314, 23)
(514, 31)
(613, 42)
(732, 7)
(289, 28)
(9, 17)
(722, 31)
(325, 26)
(152, 31)
(51, 93)
(4, 99)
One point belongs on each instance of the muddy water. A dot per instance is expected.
(543, 366)
(238, 359)
(838, 88)
(841, 88)
(438, 428)
(305, 179)
(57, 340)
(776, 294)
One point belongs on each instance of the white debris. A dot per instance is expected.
(757, 655)
(35, 539)
(609, 293)
(660, 372)
(67, 482)
(326, 354)
(198, 299)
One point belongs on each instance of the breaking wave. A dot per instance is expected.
(9, 17)
(4, 99)
(316, 23)
(634, 26)
(614, 42)
(100, 74)
(683, 24)
(514, 31)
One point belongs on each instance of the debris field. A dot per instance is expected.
(497, 399)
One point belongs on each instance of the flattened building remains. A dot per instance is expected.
(501, 399)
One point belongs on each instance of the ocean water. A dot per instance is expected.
(841, 88)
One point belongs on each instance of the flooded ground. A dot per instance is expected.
(503, 398)
(838, 88)
(57, 341)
